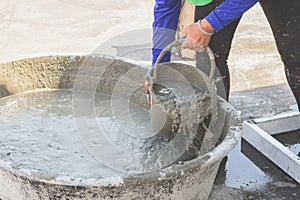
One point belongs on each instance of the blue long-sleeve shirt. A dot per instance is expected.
(166, 13)
(227, 12)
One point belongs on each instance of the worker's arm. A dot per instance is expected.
(227, 12)
(166, 14)
(220, 17)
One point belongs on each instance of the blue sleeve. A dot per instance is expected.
(166, 14)
(227, 12)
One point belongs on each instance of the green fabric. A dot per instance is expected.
(199, 2)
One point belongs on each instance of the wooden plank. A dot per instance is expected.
(272, 149)
(186, 17)
(282, 123)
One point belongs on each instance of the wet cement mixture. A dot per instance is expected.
(38, 131)
(189, 117)
(184, 111)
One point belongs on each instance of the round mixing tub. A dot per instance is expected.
(192, 179)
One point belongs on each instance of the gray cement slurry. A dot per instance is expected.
(39, 138)
(184, 104)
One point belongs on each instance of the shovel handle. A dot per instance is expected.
(176, 43)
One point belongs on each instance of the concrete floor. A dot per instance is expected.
(34, 27)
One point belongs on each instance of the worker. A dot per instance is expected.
(166, 15)
(219, 22)
(216, 22)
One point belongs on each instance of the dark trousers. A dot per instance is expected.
(284, 19)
